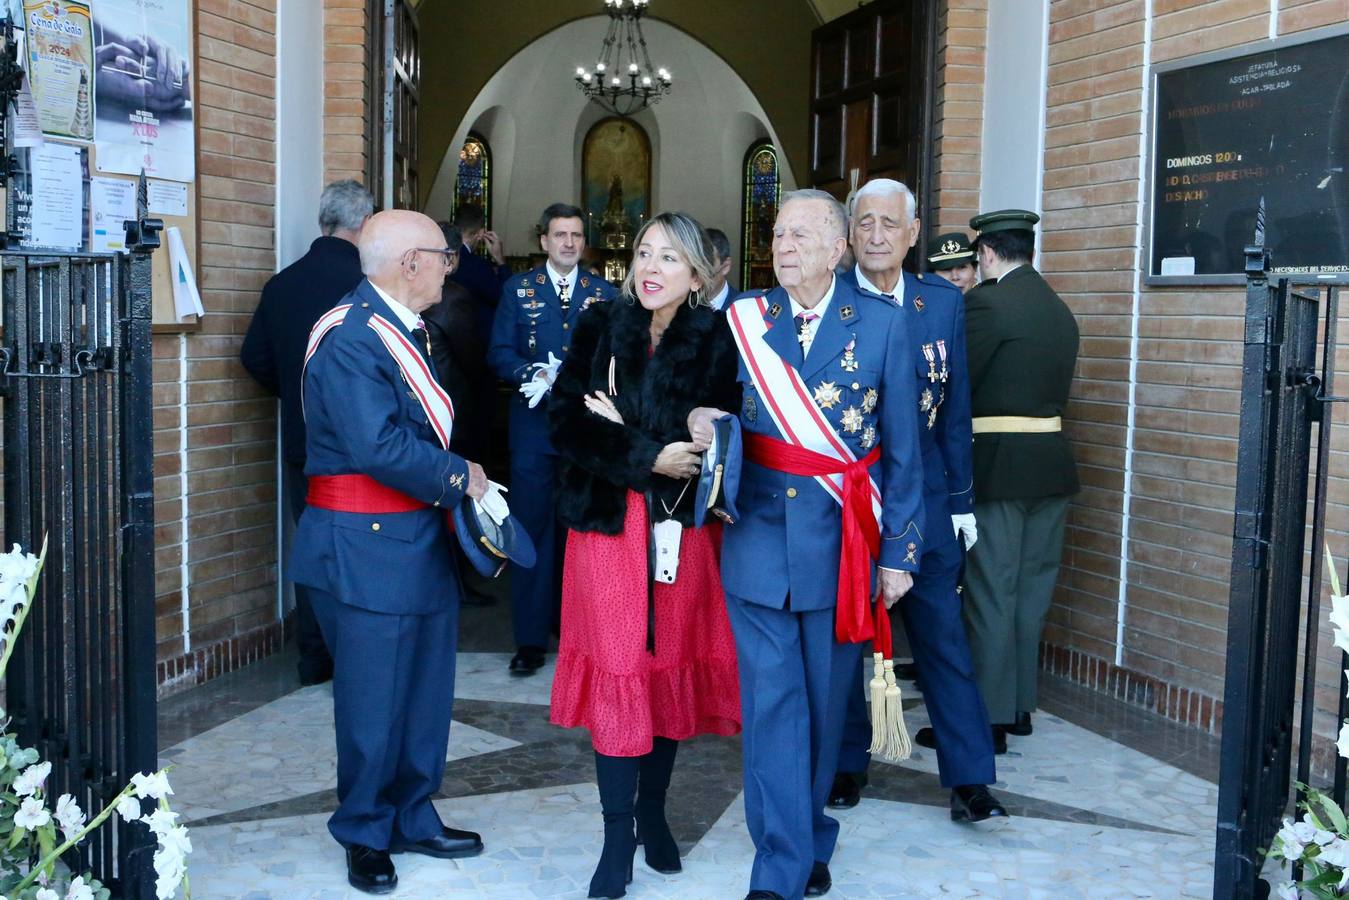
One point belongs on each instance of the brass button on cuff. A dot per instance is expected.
(791, 492)
(374, 526)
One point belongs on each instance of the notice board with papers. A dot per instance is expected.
(1230, 129)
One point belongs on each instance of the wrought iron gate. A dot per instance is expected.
(77, 468)
(1282, 395)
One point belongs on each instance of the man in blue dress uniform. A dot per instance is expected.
(373, 547)
(530, 337)
(884, 226)
(830, 371)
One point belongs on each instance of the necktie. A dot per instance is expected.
(422, 335)
(563, 294)
(804, 333)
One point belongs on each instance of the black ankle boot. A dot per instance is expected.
(653, 831)
(617, 777)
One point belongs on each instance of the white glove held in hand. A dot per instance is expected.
(964, 523)
(493, 503)
(535, 389)
(549, 369)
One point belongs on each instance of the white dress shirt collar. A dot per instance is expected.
(865, 284)
(555, 276)
(819, 310)
(405, 315)
(719, 301)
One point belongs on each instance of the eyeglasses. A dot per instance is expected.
(446, 254)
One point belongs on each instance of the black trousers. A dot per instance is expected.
(315, 661)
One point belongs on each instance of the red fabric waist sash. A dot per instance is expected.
(358, 494)
(861, 531)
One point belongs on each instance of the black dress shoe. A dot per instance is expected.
(926, 737)
(311, 677)
(527, 661)
(370, 870)
(819, 882)
(999, 740)
(975, 803)
(451, 843)
(763, 895)
(1021, 727)
(847, 790)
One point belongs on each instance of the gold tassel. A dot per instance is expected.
(878, 705)
(897, 736)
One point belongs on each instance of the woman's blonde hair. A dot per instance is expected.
(689, 241)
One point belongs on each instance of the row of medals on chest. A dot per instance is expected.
(829, 394)
(533, 309)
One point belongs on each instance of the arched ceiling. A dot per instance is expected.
(767, 42)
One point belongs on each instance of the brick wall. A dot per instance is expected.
(345, 116)
(1187, 357)
(962, 28)
(207, 412)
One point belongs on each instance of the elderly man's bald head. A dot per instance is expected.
(389, 235)
(402, 253)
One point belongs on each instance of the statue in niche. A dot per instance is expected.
(615, 224)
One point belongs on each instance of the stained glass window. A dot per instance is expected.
(763, 186)
(473, 184)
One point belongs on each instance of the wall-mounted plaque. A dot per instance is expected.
(1228, 131)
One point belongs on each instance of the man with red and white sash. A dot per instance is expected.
(830, 494)
(373, 547)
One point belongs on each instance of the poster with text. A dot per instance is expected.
(60, 66)
(143, 88)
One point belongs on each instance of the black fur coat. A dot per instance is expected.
(694, 365)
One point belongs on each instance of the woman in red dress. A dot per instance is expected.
(642, 663)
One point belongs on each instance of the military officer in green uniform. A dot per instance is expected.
(953, 259)
(1021, 349)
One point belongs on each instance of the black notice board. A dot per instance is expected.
(1272, 124)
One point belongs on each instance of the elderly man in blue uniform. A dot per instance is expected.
(885, 226)
(530, 337)
(831, 486)
(374, 549)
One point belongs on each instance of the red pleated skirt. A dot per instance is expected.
(606, 679)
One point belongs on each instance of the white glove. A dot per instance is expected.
(964, 523)
(493, 503)
(549, 369)
(535, 389)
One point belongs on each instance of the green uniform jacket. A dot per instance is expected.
(1022, 347)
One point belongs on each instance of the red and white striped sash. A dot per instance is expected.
(436, 403)
(787, 398)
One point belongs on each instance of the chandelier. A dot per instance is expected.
(624, 81)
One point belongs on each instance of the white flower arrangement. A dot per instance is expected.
(30, 857)
(1319, 841)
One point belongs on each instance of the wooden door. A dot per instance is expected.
(394, 56)
(871, 98)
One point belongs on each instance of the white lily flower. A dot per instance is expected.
(1291, 848)
(170, 869)
(1342, 743)
(32, 778)
(1286, 891)
(32, 814)
(129, 808)
(154, 785)
(79, 890)
(1336, 854)
(160, 821)
(69, 815)
(17, 565)
(46, 894)
(176, 838)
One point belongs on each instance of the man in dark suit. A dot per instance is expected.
(375, 551)
(482, 279)
(885, 226)
(273, 353)
(720, 289)
(1022, 342)
(530, 336)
